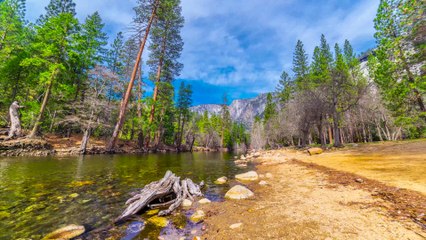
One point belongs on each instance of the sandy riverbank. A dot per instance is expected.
(308, 201)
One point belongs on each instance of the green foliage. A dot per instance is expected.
(393, 67)
(285, 88)
(270, 108)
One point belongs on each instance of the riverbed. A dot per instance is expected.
(41, 194)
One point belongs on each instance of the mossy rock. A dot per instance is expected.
(198, 216)
(158, 221)
(152, 212)
(179, 221)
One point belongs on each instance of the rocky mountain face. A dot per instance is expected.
(241, 110)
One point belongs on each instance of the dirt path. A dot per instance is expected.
(301, 202)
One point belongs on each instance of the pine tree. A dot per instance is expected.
(183, 104)
(166, 49)
(57, 7)
(285, 88)
(152, 5)
(300, 67)
(270, 108)
(90, 50)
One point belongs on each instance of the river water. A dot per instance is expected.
(38, 195)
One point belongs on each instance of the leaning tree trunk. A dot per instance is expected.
(86, 135)
(117, 129)
(15, 122)
(37, 124)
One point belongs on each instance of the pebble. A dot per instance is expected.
(359, 180)
(263, 183)
(204, 201)
(235, 225)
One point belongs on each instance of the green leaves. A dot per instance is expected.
(397, 56)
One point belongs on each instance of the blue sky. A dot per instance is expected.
(240, 47)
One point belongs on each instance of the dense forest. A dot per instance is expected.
(68, 80)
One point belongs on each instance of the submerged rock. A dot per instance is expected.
(269, 175)
(152, 212)
(314, 151)
(65, 233)
(198, 216)
(158, 221)
(248, 176)
(221, 180)
(239, 192)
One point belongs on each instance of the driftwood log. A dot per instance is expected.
(169, 192)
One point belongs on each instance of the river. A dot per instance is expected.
(38, 195)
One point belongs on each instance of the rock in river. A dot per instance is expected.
(248, 176)
(186, 203)
(239, 192)
(198, 216)
(65, 233)
(158, 221)
(221, 180)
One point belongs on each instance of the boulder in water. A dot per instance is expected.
(221, 180)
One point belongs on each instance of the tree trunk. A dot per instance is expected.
(85, 140)
(336, 131)
(157, 80)
(330, 135)
(86, 135)
(181, 133)
(37, 124)
(15, 122)
(192, 144)
(113, 142)
(53, 121)
(321, 132)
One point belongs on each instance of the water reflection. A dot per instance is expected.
(41, 194)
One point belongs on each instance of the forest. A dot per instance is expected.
(339, 96)
(67, 80)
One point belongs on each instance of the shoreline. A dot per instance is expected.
(305, 200)
(53, 145)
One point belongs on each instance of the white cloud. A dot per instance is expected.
(245, 43)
